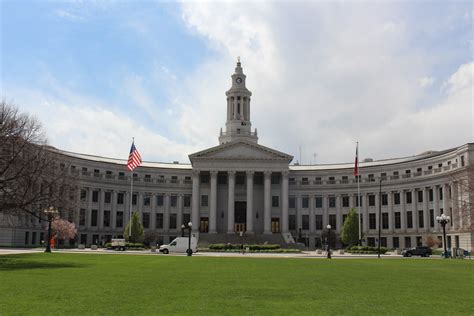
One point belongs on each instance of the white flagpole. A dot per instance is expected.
(358, 193)
(131, 199)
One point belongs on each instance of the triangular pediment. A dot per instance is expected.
(240, 150)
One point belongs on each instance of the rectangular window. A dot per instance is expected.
(430, 195)
(408, 197)
(440, 194)
(384, 220)
(186, 219)
(119, 220)
(134, 199)
(396, 198)
(385, 199)
(94, 214)
(159, 221)
(345, 201)
(407, 242)
(221, 180)
(344, 216)
(240, 179)
(119, 198)
(292, 222)
(146, 201)
(372, 221)
(420, 219)
(159, 200)
(420, 196)
(319, 222)
(419, 241)
(204, 178)
(305, 220)
(409, 219)
(371, 241)
(358, 201)
(291, 202)
(187, 201)
(371, 200)
(95, 196)
(332, 201)
(172, 221)
(82, 217)
(275, 201)
(319, 202)
(83, 195)
(108, 197)
(398, 220)
(27, 238)
(383, 242)
(173, 200)
(432, 218)
(305, 202)
(204, 200)
(106, 218)
(83, 239)
(396, 242)
(333, 221)
(275, 178)
(33, 238)
(146, 220)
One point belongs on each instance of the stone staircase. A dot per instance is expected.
(222, 238)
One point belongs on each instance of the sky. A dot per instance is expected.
(397, 77)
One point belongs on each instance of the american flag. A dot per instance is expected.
(356, 164)
(134, 158)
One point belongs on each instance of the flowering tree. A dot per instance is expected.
(63, 229)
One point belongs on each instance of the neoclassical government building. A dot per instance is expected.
(243, 186)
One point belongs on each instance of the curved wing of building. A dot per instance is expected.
(242, 186)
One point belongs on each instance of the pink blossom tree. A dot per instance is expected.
(63, 229)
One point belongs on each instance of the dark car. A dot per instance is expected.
(418, 251)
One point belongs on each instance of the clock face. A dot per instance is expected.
(238, 80)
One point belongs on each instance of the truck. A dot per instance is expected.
(118, 244)
(179, 245)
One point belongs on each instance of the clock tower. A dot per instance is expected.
(238, 125)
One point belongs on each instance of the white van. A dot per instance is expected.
(179, 244)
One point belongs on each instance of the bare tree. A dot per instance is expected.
(33, 176)
(464, 199)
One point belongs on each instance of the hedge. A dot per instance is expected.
(366, 250)
(226, 247)
(279, 250)
(128, 245)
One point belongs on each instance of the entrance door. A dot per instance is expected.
(275, 225)
(204, 225)
(240, 216)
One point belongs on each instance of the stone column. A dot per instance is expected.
(312, 214)
(231, 202)
(179, 217)
(100, 220)
(299, 213)
(365, 213)
(113, 216)
(284, 201)
(213, 203)
(267, 203)
(89, 209)
(153, 211)
(436, 206)
(195, 201)
(414, 210)
(426, 212)
(126, 209)
(403, 213)
(249, 228)
(325, 211)
(456, 218)
(338, 213)
(166, 215)
(391, 215)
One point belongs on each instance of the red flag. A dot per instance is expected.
(356, 164)
(134, 158)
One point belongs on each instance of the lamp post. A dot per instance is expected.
(50, 213)
(182, 230)
(380, 216)
(329, 242)
(189, 251)
(443, 220)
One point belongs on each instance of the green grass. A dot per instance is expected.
(80, 284)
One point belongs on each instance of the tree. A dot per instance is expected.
(63, 229)
(463, 201)
(350, 229)
(432, 241)
(33, 175)
(137, 229)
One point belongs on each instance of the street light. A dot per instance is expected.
(329, 242)
(189, 251)
(182, 230)
(380, 215)
(443, 220)
(50, 214)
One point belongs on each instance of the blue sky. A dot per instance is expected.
(323, 74)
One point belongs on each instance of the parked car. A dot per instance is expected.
(179, 244)
(418, 251)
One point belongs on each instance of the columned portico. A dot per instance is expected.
(267, 203)
(231, 202)
(249, 228)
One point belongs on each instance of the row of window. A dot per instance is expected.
(146, 199)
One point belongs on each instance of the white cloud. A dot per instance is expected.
(426, 82)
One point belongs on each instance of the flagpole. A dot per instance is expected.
(131, 199)
(358, 194)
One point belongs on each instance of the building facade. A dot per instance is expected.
(242, 186)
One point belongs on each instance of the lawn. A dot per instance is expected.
(81, 284)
